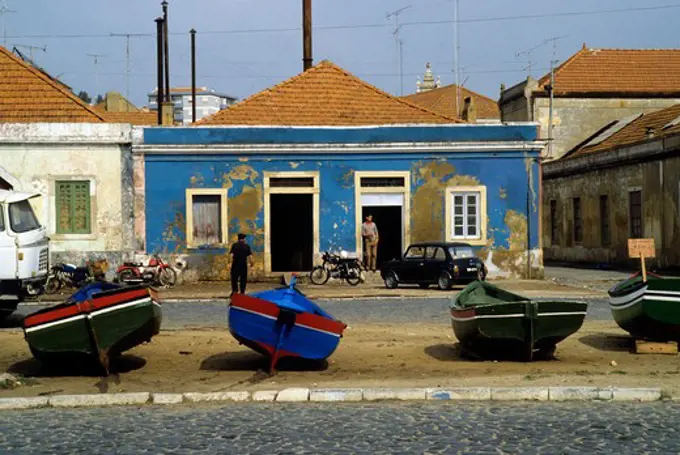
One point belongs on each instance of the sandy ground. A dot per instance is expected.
(370, 355)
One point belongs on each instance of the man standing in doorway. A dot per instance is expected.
(369, 231)
(241, 257)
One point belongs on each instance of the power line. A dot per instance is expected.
(367, 26)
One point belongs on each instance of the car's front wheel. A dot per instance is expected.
(391, 281)
(444, 282)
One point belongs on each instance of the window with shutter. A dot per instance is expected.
(73, 207)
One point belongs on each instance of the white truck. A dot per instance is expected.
(24, 250)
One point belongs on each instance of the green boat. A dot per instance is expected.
(492, 323)
(647, 309)
(98, 322)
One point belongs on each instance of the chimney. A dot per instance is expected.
(193, 75)
(307, 34)
(469, 113)
(159, 87)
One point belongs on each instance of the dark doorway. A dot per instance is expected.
(292, 232)
(389, 220)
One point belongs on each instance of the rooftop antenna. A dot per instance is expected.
(553, 62)
(4, 9)
(31, 49)
(456, 50)
(96, 58)
(128, 52)
(529, 52)
(400, 43)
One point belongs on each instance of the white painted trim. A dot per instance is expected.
(367, 127)
(316, 203)
(483, 214)
(274, 319)
(358, 207)
(628, 297)
(118, 307)
(393, 147)
(563, 313)
(52, 324)
(189, 213)
(489, 316)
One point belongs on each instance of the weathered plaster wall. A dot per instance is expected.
(510, 179)
(576, 119)
(40, 154)
(659, 181)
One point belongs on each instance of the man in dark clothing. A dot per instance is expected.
(241, 256)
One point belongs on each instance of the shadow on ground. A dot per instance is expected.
(247, 361)
(33, 368)
(607, 342)
(12, 321)
(455, 352)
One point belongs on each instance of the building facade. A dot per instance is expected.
(208, 102)
(622, 183)
(593, 88)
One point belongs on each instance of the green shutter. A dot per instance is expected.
(73, 207)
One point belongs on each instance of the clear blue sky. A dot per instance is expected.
(243, 63)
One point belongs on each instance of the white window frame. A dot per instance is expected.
(224, 219)
(482, 217)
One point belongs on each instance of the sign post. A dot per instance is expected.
(642, 248)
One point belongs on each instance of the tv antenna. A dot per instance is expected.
(31, 49)
(96, 58)
(400, 43)
(529, 52)
(128, 52)
(4, 10)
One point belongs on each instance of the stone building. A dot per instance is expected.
(298, 166)
(623, 182)
(592, 88)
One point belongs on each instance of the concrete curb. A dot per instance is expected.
(349, 395)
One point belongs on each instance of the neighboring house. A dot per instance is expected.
(53, 143)
(621, 183)
(117, 109)
(298, 166)
(451, 101)
(208, 102)
(592, 88)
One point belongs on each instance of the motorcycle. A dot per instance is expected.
(73, 276)
(156, 272)
(338, 266)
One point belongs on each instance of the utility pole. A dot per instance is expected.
(193, 75)
(4, 9)
(128, 52)
(307, 58)
(96, 58)
(166, 47)
(551, 126)
(400, 43)
(456, 52)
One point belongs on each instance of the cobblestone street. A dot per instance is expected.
(383, 428)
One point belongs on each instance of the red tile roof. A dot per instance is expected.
(141, 118)
(324, 95)
(27, 95)
(657, 124)
(643, 72)
(443, 101)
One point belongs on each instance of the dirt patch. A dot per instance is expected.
(370, 355)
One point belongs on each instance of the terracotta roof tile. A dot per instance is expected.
(28, 95)
(141, 118)
(324, 95)
(661, 123)
(443, 101)
(627, 71)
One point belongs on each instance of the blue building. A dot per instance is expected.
(297, 168)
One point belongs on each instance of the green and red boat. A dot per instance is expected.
(492, 323)
(647, 309)
(99, 321)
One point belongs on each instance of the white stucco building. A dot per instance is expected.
(208, 102)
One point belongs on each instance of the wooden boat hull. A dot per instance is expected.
(516, 328)
(277, 332)
(102, 327)
(648, 310)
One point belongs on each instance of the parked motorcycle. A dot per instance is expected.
(155, 272)
(62, 275)
(340, 267)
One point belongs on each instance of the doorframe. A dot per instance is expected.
(314, 191)
(406, 208)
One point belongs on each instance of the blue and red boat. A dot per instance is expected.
(284, 323)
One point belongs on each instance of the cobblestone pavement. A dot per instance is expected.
(597, 280)
(380, 428)
(214, 314)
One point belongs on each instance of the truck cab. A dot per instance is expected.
(24, 249)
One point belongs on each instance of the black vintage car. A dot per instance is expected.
(440, 263)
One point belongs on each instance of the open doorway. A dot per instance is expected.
(292, 232)
(389, 220)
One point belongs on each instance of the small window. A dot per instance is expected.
(553, 222)
(207, 219)
(382, 182)
(2, 218)
(604, 220)
(291, 182)
(578, 222)
(466, 219)
(73, 207)
(635, 210)
(435, 253)
(415, 252)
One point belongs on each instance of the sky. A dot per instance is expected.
(244, 46)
